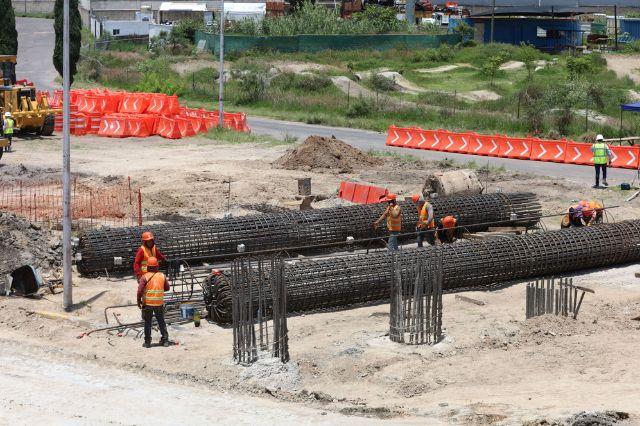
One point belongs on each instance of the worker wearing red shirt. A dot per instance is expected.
(147, 249)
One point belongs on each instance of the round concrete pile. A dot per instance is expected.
(352, 280)
(295, 231)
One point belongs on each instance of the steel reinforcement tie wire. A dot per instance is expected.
(214, 238)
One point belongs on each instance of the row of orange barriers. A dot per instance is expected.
(361, 193)
(123, 114)
(523, 148)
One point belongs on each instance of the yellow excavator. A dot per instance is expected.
(20, 100)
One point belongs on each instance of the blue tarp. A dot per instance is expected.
(631, 107)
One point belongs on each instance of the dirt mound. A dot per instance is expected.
(317, 152)
(22, 243)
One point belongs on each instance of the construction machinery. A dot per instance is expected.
(3, 142)
(30, 111)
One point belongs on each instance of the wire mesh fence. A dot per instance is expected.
(92, 205)
(416, 301)
(259, 320)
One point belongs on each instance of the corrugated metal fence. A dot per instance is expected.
(315, 43)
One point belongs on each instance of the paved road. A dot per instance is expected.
(367, 140)
(36, 41)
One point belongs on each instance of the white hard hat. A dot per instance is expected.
(7, 114)
(599, 138)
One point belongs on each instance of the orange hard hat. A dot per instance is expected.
(415, 198)
(449, 221)
(583, 203)
(391, 197)
(147, 236)
(152, 262)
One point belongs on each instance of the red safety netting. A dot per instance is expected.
(123, 114)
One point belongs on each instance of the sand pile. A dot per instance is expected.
(22, 243)
(318, 153)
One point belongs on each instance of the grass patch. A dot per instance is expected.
(43, 15)
(395, 156)
(232, 137)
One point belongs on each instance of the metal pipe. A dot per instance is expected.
(67, 297)
(352, 280)
(300, 231)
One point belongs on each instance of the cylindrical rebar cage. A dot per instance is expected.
(293, 230)
(357, 279)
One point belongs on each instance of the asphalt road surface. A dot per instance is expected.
(35, 50)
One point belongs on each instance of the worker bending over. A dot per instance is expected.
(8, 125)
(585, 213)
(147, 250)
(425, 226)
(448, 230)
(393, 214)
(151, 288)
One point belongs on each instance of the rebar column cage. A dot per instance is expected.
(259, 319)
(415, 314)
(294, 232)
(316, 284)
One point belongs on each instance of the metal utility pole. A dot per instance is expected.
(493, 18)
(409, 12)
(221, 76)
(67, 299)
(615, 25)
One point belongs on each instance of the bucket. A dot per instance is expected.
(186, 311)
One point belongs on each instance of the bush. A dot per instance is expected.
(304, 82)
(360, 107)
(89, 70)
(533, 108)
(380, 20)
(381, 83)
(160, 83)
(253, 88)
(579, 67)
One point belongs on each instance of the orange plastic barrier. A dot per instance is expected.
(113, 127)
(578, 153)
(625, 157)
(515, 148)
(134, 103)
(546, 150)
(361, 193)
(485, 145)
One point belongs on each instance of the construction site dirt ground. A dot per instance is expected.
(492, 367)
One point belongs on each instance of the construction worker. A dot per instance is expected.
(601, 158)
(426, 222)
(593, 213)
(147, 249)
(448, 231)
(151, 288)
(393, 214)
(574, 217)
(8, 125)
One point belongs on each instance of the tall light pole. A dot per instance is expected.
(67, 298)
(221, 74)
(493, 18)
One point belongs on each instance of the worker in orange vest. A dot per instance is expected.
(426, 224)
(448, 230)
(393, 214)
(147, 249)
(151, 288)
(593, 213)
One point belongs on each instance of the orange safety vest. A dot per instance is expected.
(147, 254)
(424, 215)
(154, 290)
(394, 219)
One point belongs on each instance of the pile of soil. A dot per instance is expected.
(317, 153)
(23, 243)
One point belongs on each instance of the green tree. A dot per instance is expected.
(528, 55)
(8, 33)
(491, 66)
(75, 36)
